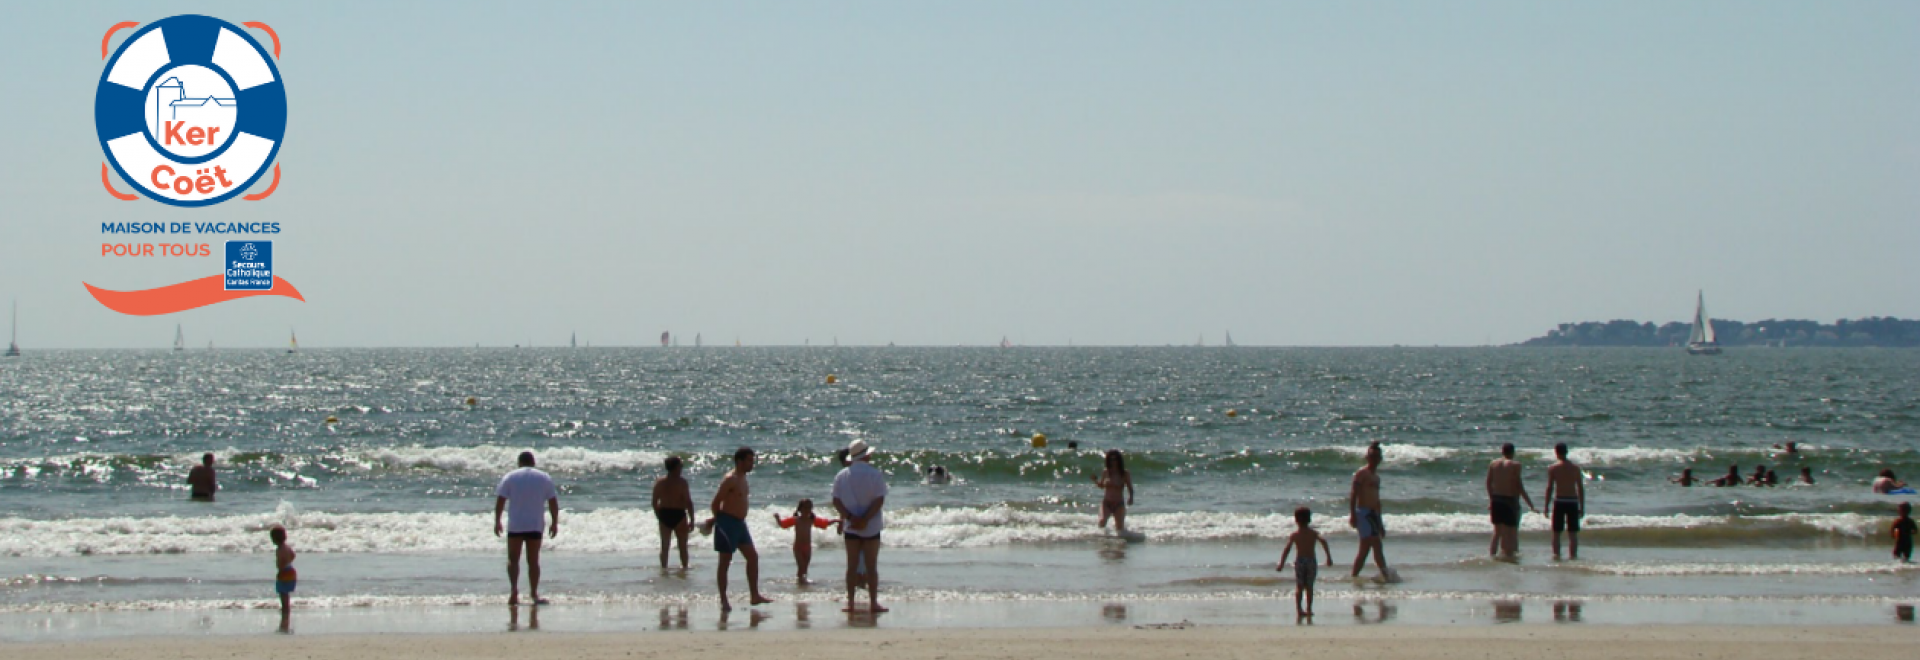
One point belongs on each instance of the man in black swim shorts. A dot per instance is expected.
(1504, 492)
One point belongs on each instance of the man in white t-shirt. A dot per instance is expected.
(859, 492)
(522, 494)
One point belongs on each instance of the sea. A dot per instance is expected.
(381, 463)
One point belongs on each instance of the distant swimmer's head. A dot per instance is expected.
(1686, 472)
(278, 534)
(1806, 472)
(859, 451)
(1116, 461)
(1373, 454)
(526, 459)
(1560, 450)
(1792, 446)
(1073, 444)
(1506, 450)
(673, 465)
(206, 459)
(1303, 515)
(743, 459)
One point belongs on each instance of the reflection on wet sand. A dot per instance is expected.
(800, 614)
(673, 617)
(1903, 613)
(754, 618)
(1566, 611)
(1114, 612)
(1506, 611)
(1383, 612)
(513, 618)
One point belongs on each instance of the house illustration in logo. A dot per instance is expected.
(171, 98)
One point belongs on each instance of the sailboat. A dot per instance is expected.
(573, 341)
(664, 336)
(1700, 341)
(13, 343)
(1229, 339)
(1202, 341)
(1004, 343)
(179, 339)
(293, 342)
(696, 340)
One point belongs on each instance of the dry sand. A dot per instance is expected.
(1520, 642)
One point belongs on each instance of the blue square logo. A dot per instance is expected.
(249, 266)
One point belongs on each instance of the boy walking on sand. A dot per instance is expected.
(1306, 565)
(1903, 533)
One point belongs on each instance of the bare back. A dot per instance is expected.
(671, 493)
(1503, 478)
(732, 497)
(1564, 480)
(1366, 489)
(201, 481)
(1303, 542)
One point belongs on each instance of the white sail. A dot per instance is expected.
(179, 339)
(13, 342)
(696, 340)
(1229, 339)
(1702, 324)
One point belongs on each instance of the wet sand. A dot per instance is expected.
(1141, 642)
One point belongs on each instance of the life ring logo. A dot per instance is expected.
(190, 110)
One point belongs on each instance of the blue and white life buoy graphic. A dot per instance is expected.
(191, 110)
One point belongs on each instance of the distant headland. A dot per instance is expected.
(1885, 332)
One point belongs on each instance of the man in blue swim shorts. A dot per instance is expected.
(1363, 513)
(730, 532)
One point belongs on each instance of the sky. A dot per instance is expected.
(1125, 173)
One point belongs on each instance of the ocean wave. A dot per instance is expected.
(614, 530)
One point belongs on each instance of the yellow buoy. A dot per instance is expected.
(1233, 413)
(333, 420)
(831, 379)
(472, 401)
(1039, 441)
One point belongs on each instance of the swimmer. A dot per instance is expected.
(1686, 479)
(803, 522)
(1115, 480)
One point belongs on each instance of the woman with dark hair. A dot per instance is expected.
(1115, 479)
(1887, 483)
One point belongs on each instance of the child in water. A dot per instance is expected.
(803, 523)
(1903, 533)
(1114, 480)
(285, 578)
(1306, 565)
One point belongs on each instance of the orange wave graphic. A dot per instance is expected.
(183, 296)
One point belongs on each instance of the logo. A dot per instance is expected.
(249, 266)
(190, 110)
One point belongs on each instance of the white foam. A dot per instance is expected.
(612, 530)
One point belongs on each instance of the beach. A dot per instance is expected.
(1529, 642)
(383, 473)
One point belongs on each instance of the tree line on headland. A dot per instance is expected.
(1871, 331)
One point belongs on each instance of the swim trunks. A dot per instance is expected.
(1566, 514)
(853, 536)
(1371, 525)
(1506, 510)
(524, 536)
(1304, 572)
(283, 586)
(670, 518)
(730, 534)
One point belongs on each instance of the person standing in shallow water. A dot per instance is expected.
(521, 495)
(730, 533)
(202, 483)
(1504, 493)
(1363, 513)
(1567, 494)
(859, 495)
(673, 510)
